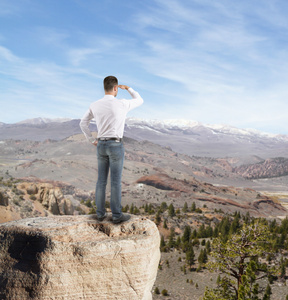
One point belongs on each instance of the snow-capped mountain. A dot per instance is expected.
(40, 121)
(195, 138)
(189, 137)
(178, 124)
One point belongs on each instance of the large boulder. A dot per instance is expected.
(32, 189)
(77, 257)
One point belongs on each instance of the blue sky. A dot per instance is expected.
(217, 62)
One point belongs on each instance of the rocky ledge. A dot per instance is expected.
(77, 257)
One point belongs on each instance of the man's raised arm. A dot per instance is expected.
(136, 98)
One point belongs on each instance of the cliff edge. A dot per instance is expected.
(77, 257)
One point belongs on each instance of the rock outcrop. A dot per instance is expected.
(50, 196)
(53, 200)
(77, 257)
(4, 200)
(164, 182)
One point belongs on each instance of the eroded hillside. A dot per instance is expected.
(152, 174)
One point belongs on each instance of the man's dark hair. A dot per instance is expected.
(109, 83)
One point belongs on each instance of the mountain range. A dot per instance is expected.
(218, 154)
(187, 137)
(47, 167)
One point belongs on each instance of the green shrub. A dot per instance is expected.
(92, 211)
(16, 202)
(88, 203)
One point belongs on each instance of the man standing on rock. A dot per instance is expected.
(110, 114)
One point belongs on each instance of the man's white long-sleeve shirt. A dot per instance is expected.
(109, 114)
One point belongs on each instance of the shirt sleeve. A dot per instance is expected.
(84, 125)
(135, 101)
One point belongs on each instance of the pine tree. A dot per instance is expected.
(171, 210)
(162, 242)
(150, 209)
(178, 242)
(215, 232)
(235, 225)
(163, 206)
(208, 247)
(165, 224)
(268, 293)
(205, 256)
(186, 234)
(171, 241)
(225, 227)
(194, 234)
(209, 231)
(190, 256)
(132, 208)
(136, 210)
(232, 258)
(124, 209)
(185, 208)
(193, 207)
(202, 258)
(201, 231)
(158, 218)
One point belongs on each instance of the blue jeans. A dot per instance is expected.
(110, 155)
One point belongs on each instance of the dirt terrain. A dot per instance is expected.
(152, 174)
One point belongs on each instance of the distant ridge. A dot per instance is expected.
(189, 137)
(37, 121)
(40, 130)
(195, 138)
(187, 124)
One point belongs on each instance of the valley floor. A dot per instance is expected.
(175, 282)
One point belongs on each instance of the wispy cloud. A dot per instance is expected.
(211, 61)
(43, 88)
(219, 54)
(7, 55)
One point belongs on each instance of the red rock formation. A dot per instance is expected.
(164, 182)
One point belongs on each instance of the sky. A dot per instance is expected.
(216, 62)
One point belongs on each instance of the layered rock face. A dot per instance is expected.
(77, 257)
(53, 200)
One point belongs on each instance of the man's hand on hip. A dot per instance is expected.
(123, 87)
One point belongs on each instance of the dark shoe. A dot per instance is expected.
(102, 218)
(123, 218)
